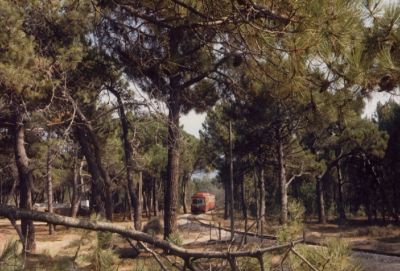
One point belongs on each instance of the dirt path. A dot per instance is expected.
(375, 262)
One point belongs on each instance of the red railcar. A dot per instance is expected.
(202, 202)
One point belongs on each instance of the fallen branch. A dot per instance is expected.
(169, 248)
(155, 255)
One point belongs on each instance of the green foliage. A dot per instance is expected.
(335, 256)
(293, 229)
(10, 257)
(175, 238)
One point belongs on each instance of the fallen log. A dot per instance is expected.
(188, 255)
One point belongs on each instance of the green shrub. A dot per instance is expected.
(175, 238)
(294, 227)
(10, 258)
(334, 257)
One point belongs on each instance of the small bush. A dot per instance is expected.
(294, 226)
(334, 257)
(175, 238)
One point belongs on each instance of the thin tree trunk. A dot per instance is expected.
(262, 196)
(49, 187)
(91, 150)
(155, 201)
(102, 183)
(25, 181)
(257, 201)
(138, 212)
(226, 200)
(76, 195)
(321, 202)
(128, 199)
(172, 181)
(129, 163)
(244, 204)
(231, 181)
(243, 195)
(282, 180)
(185, 182)
(342, 214)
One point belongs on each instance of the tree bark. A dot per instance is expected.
(76, 195)
(172, 181)
(262, 196)
(226, 200)
(231, 181)
(49, 186)
(342, 214)
(185, 182)
(139, 209)
(102, 182)
(282, 180)
(155, 200)
(25, 181)
(243, 195)
(129, 162)
(91, 150)
(321, 202)
(172, 249)
(256, 197)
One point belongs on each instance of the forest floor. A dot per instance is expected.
(60, 248)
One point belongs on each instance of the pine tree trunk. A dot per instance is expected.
(129, 163)
(282, 181)
(262, 196)
(226, 200)
(185, 182)
(256, 198)
(172, 181)
(243, 196)
(25, 181)
(232, 216)
(76, 196)
(138, 211)
(342, 214)
(155, 201)
(103, 202)
(321, 202)
(49, 188)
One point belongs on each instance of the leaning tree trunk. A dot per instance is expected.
(49, 187)
(102, 181)
(172, 181)
(25, 181)
(129, 163)
(282, 182)
(76, 195)
(91, 150)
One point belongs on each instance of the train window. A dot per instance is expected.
(198, 201)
